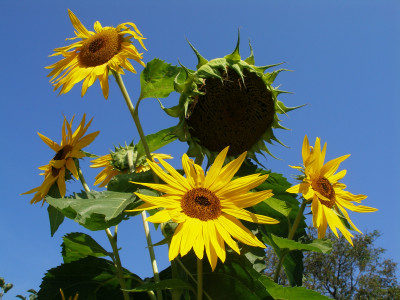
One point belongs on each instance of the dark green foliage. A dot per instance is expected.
(79, 245)
(284, 207)
(55, 217)
(92, 277)
(236, 279)
(358, 272)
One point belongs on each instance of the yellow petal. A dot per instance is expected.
(165, 177)
(238, 231)
(226, 236)
(358, 208)
(78, 25)
(53, 145)
(215, 240)
(335, 178)
(210, 251)
(160, 217)
(167, 202)
(164, 188)
(215, 169)
(305, 150)
(241, 185)
(178, 177)
(331, 166)
(249, 216)
(70, 164)
(191, 231)
(198, 245)
(247, 200)
(175, 242)
(227, 173)
(61, 182)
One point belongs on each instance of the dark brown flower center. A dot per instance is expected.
(55, 171)
(325, 188)
(202, 204)
(63, 152)
(231, 113)
(100, 48)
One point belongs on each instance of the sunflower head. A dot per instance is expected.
(228, 102)
(64, 163)
(207, 207)
(321, 187)
(94, 55)
(122, 160)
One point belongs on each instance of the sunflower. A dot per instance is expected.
(321, 186)
(112, 168)
(67, 152)
(97, 53)
(228, 102)
(207, 208)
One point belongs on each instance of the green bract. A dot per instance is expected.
(228, 101)
(124, 157)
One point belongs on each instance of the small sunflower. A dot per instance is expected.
(207, 208)
(321, 185)
(228, 102)
(97, 53)
(117, 163)
(67, 152)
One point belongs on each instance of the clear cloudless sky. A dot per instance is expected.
(344, 55)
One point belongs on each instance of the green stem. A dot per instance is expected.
(83, 181)
(134, 113)
(113, 242)
(117, 261)
(199, 279)
(135, 117)
(191, 276)
(290, 237)
(151, 252)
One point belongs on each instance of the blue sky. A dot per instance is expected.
(345, 62)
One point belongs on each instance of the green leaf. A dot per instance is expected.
(157, 79)
(92, 277)
(163, 285)
(156, 140)
(280, 292)
(321, 245)
(56, 218)
(95, 210)
(284, 207)
(79, 245)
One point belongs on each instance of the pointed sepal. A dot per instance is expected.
(250, 60)
(200, 59)
(235, 56)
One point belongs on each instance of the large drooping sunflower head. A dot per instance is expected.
(122, 160)
(228, 102)
(97, 53)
